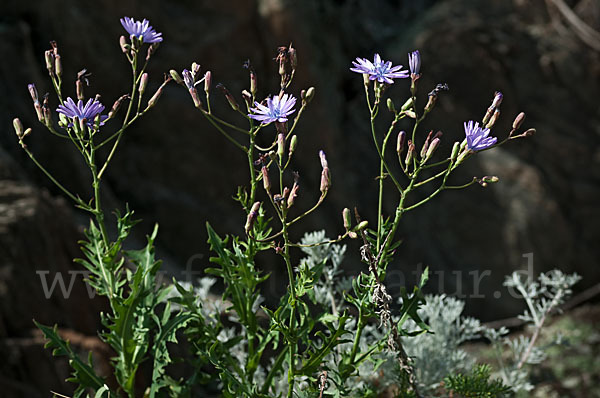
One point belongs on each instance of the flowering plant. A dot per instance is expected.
(328, 335)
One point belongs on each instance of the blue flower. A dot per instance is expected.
(142, 30)
(89, 111)
(379, 70)
(276, 110)
(414, 62)
(477, 137)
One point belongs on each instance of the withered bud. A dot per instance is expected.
(125, 47)
(54, 46)
(518, 121)
(430, 103)
(207, 81)
(33, 92)
(286, 193)
(196, 97)
(143, 83)
(18, 127)
(47, 115)
(325, 180)
(117, 105)
(58, 65)
(347, 217)
(39, 111)
(49, 56)
(293, 144)
(79, 89)
(426, 144)
(432, 147)
(266, 179)
(252, 217)
(400, 142)
(152, 49)
(455, 150)
(323, 158)
(366, 80)
(232, 102)
(390, 105)
(293, 194)
(280, 146)
(493, 119)
(409, 153)
(176, 76)
(292, 54)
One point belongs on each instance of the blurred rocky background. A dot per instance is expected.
(175, 169)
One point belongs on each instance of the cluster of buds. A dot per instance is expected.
(287, 59)
(307, 95)
(493, 112)
(485, 180)
(53, 63)
(19, 130)
(434, 94)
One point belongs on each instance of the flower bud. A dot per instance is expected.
(247, 98)
(310, 93)
(432, 147)
(362, 225)
(497, 100)
(207, 81)
(58, 65)
(125, 47)
(143, 83)
(366, 79)
(272, 155)
(281, 147)
(293, 57)
(266, 180)
(411, 114)
(430, 103)
(49, 56)
(293, 194)
(455, 150)
(518, 121)
(39, 111)
(252, 217)
(253, 82)
(407, 105)
(426, 144)
(79, 89)
(195, 70)
(18, 127)
(325, 180)
(323, 158)
(409, 153)
(154, 99)
(490, 179)
(232, 102)
(47, 115)
(529, 132)
(347, 217)
(293, 144)
(151, 50)
(390, 105)
(493, 119)
(33, 92)
(196, 98)
(176, 76)
(400, 142)
(117, 105)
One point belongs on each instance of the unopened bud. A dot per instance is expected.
(58, 65)
(117, 105)
(493, 119)
(207, 81)
(411, 114)
(529, 132)
(430, 103)
(47, 115)
(455, 150)
(518, 121)
(266, 180)
(323, 158)
(152, 49)
(497, 100)
(253, 82)
(125, 47)
(409, 153)
(325, 180)
(490, 179)
(347, 217)
(143, 83)
(426, 144)
(293, 144)
(247, 98)
(154, 99)
(272, 155)
(280, 146)
(49, 56)
(39, 111)
(196, 98)
(407, 105)
(79, 89)
(252, 217)
(432, 147)
(310, 93)
(362, 225)
(400, 142)
(390, 105)
(195, 70)
(293, 194)
(232, 102)
(18, 127)
(176, 76)
(33, 92)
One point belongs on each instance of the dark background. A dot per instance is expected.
(175, 169)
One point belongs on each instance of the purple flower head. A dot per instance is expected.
(414, 62)
(379, 70)
(141, 29)
(477, 137)
(276, 110)
(89, 111)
